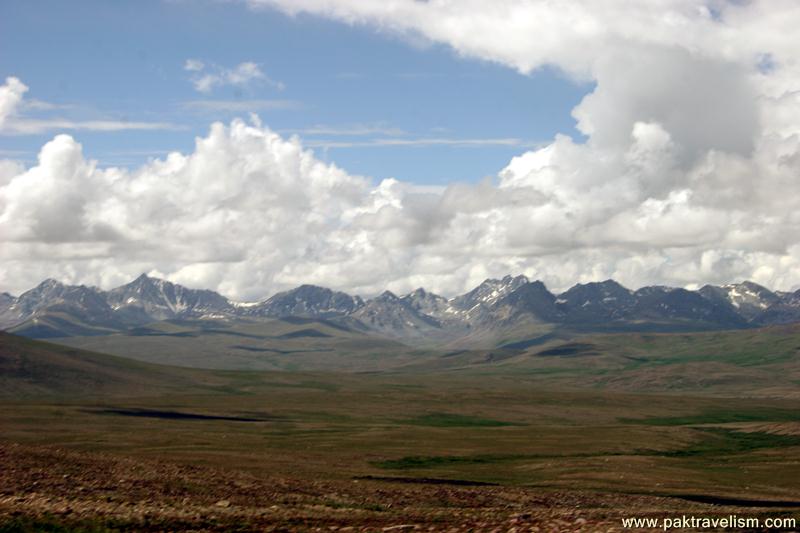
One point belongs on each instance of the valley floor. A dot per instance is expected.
(390, 452)
(92, 442)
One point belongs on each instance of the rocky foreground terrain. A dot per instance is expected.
(48, 488)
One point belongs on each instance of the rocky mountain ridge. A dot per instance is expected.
(55, 309)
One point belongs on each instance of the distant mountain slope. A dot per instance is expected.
(757, 361)
(496, 312)
(762, 361)
(289, 343)
(53, 309)
(35, 368)
(785, 311)
(404, 318)
(667, 304)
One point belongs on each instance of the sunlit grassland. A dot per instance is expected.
(499, 429)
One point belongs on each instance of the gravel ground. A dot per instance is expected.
(47, 488)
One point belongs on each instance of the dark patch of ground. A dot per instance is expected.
(174, 415)
(571, 349)
(429, 481)
(303, 333)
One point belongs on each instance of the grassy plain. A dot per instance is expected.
(531, 440)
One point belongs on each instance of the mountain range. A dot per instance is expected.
(503, 309)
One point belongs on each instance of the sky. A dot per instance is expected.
(376, 105)
(250, 146)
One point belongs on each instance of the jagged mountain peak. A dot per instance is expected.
(306, 289)
(152, 298)
(397, 317)
(489, 292)
(526, 291)
(656, 288)
(610, 284)
(596, 289)
(387, 296)
(430, 304)
(143, 280)
(748, 299)
(51, 288)
(47, 287)
(526, 302)
(142, 283)
(422, 294)
(311, 287)
(750, 285)
(301, 292)
(508, 281)
(306, 301)
(596, 301)
(505, 281)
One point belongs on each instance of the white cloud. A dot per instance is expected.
(528, 34)
(239, 106)
(41, 105)
(12, 123)
(421, 141)
(193, 65)
(352, 130)
(10, 98)
(30, 126)
(249, 212)
(210, 77)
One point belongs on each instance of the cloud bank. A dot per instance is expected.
(688, 174)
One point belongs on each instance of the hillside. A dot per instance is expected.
(286, 344)
(761, 361)
(30, 368)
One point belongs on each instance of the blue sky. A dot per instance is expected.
(346, 90)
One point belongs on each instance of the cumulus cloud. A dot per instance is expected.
(243, 203)
(687, 175)
(249, 212)
(208, 78)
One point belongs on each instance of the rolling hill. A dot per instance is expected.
(290, 343)
(31, 368)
